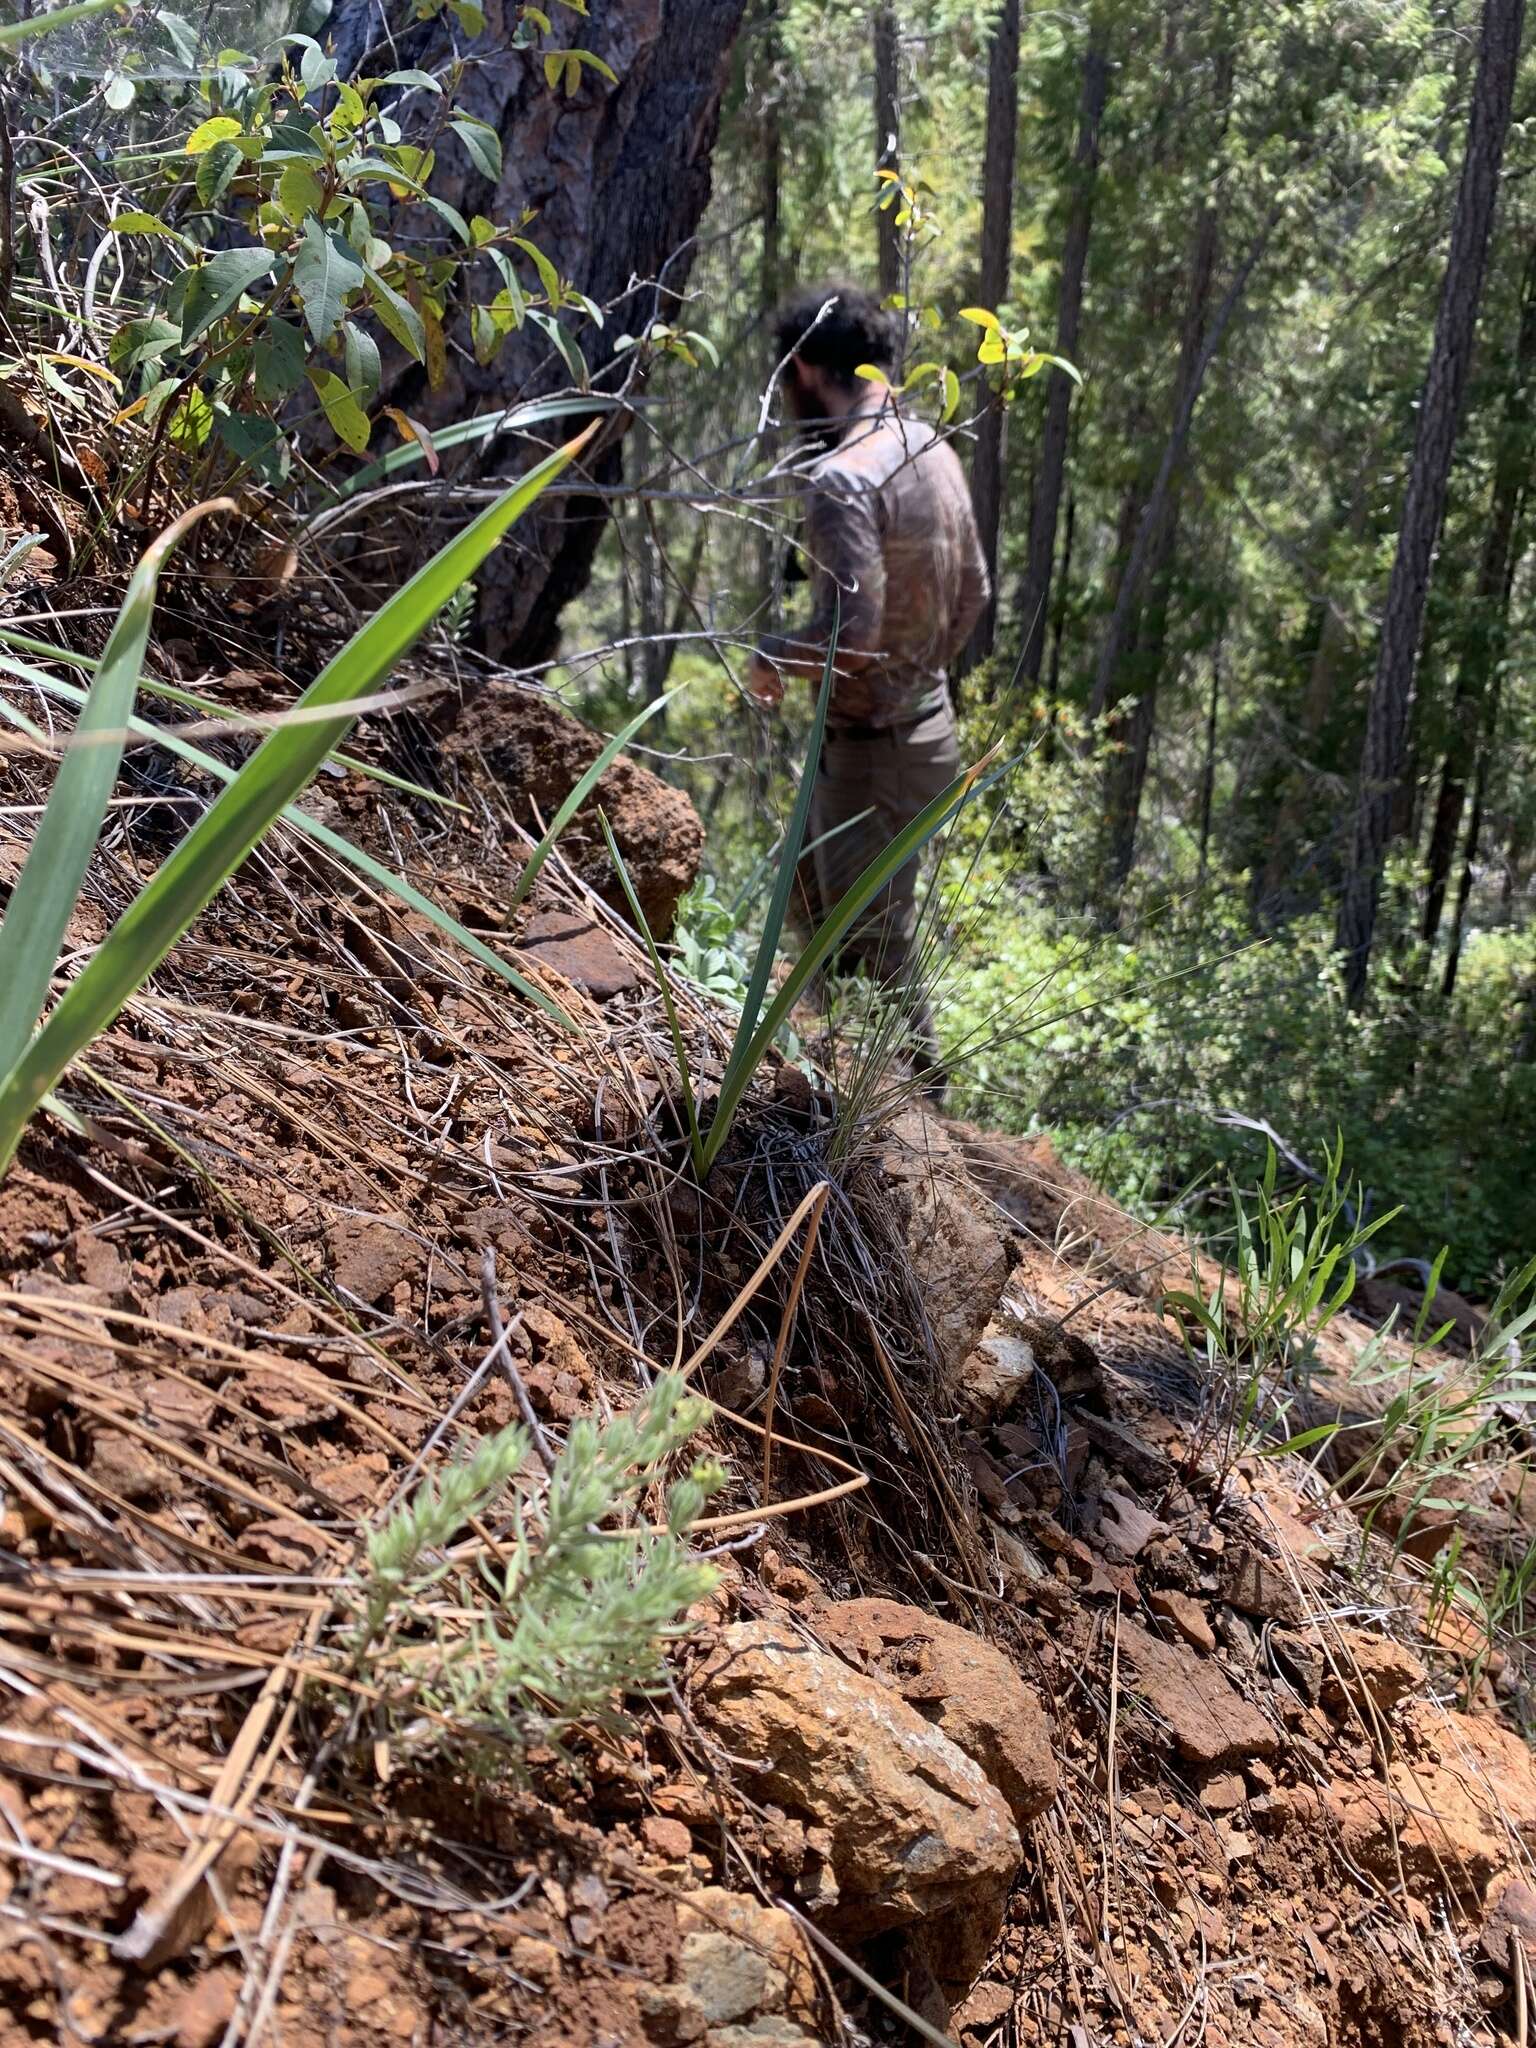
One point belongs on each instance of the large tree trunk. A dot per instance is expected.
(996, 244)
(888, 141)
(616, 179)
(1045, 502)
(1488, 627)
(1386, 734)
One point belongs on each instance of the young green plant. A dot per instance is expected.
(245, 810)
(758, 1027)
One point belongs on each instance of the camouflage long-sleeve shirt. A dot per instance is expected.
(890, 531)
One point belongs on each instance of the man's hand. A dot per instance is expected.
(764, 683)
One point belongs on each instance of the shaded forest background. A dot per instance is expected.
(1245, 224)
(1261, 639)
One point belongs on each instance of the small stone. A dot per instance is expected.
(1260, 1587)
(1224, 1794)
(1511, 1916)
(576, 946)
(1187, 1616)
(204, 2010)
(1374, 1669)
(1210, 1721)
(671, 2015)
(987, 2007)
(668, 1839)
(538, 1961)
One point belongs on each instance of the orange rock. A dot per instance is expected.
(960, 1683)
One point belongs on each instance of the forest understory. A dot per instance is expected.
(1031, 1703)
(558, 1484)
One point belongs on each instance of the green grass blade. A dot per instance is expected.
(335, 843)
(663, 982)
(48, 887)
(14, 33)
(581, 792)
(794, 839)
(236, 820)
(210, 707)
(909, 842)
(483, 427)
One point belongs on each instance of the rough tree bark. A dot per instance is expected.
(996, 246)
(1045, 502)
(1488, 627)
(1386, 734)
(617, 178)
(887, 141)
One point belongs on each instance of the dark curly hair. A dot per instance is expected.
(855, 330)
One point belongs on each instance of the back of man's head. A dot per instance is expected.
(836, 327)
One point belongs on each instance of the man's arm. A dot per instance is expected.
(842, 546)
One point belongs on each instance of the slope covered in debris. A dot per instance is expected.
(1033, 1700)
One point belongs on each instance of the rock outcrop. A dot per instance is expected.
(962, 1685)
(915, 1835)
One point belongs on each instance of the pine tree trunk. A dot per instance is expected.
(1063, 586)
(1385, 748)
(617, 177)
(1118, 632)
(770, 274)
(996, 244)
(1486, 740)
(1489, 625)
(1125, 768)
(888, 141)
(1045, 503)
(1208, 771)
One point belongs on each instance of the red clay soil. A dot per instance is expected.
(1252, 1804)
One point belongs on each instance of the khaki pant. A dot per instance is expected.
(893, 776)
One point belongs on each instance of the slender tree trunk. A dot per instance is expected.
(1385, 749)
(1125, 768)
(1045, 501)
(1285, 835)
(771, 187)
(1117, 636)
(1208, 771)
(1063, 586)
(770, 274)
(996, 244)
(887, 140)
(1485, 642)
(1486, 741)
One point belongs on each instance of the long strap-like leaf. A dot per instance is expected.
(794, 838)
(235, 822)
(48, 888)
(907, 844)
(366, 865)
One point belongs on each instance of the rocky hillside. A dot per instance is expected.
(1027, 1707)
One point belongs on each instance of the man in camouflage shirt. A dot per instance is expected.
(890, 536)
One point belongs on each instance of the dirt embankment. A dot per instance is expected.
(1051, 1731)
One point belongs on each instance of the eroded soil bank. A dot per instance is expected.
(1055, 1730)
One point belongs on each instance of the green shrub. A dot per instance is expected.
(564, 1614)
